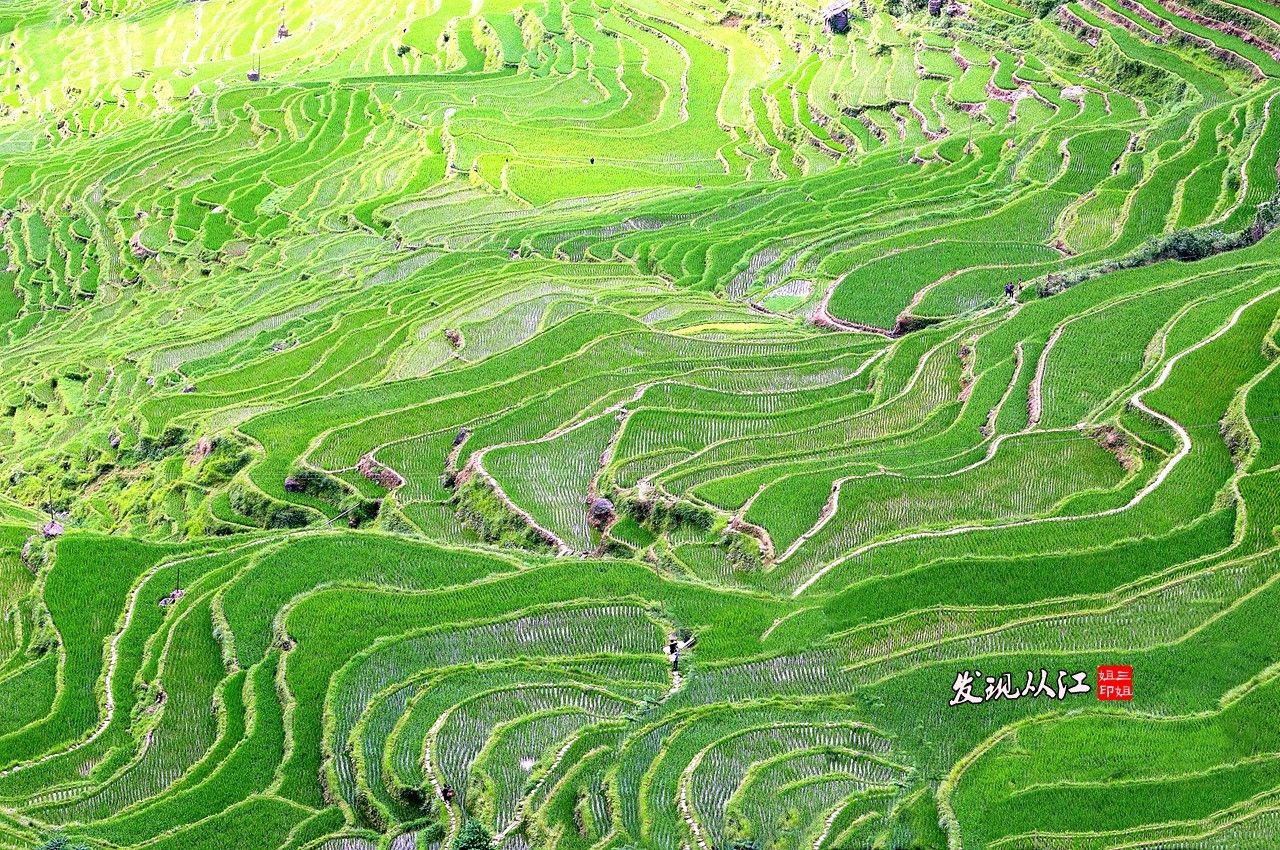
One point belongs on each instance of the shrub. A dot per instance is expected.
(480, 509)
(326, 488)
(1187, 244)
(266, 510)
(743, 552)
(155, 448)
(223, 462)
(472, 836)
(61, 842)
(663, 515)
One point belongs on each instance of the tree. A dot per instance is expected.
(61, 842)
(472, 836)
(1187, 244)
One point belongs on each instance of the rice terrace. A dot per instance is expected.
(639, 424)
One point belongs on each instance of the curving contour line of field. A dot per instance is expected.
(610, 424)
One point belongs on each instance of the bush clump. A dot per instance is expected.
(472, 836)
(326, 488)
(224, 460)
(743, 552)
(1186, 244)
(156, 448)
(661, 516)
(61, 842)
(269, 512)
(480, 509)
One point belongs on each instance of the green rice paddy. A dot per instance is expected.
(387, 388)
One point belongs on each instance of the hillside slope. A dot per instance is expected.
(387, 388)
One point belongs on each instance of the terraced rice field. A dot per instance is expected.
(389, 388)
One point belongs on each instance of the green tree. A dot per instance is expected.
(61, 842)
(472, 836)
